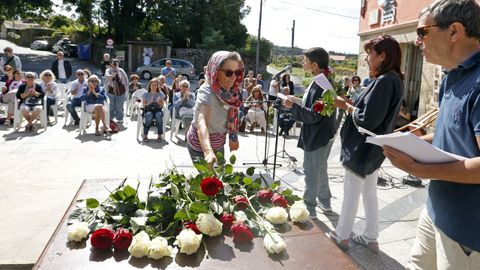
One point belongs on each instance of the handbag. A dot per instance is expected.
(33, 101)
(185, 111)
(152, 107)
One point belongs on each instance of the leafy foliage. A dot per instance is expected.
(16, 9)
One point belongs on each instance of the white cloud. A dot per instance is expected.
(315, 24)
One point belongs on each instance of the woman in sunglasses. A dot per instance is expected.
(49, 87)
(376, 109)
(94, 97)
(31, 96)
(216, 108)
(9, 91)
(8, 74)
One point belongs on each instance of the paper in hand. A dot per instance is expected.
(323, 82)
(282, 96)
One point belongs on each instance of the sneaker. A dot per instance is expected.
(371, 244)
(325, 208)
(145, 138)
(341, 243)
(76, 123)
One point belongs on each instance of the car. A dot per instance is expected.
(182, 67)
(39, 45)
(68, 48)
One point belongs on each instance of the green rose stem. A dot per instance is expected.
(206, 250)
(149, 191)
(262, 225)
(94, 214)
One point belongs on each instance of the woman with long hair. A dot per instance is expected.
(49, 87)
(376, 110)
(256, 109)
(153, 102)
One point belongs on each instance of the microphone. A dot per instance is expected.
(285, 69)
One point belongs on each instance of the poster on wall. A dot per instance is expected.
(389, 10)
(147, 56)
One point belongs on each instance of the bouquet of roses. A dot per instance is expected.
(179, 211)
(325, 104)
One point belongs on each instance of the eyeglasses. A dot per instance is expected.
(48, 75)
(30, 77)
(184, 86)
(422, 31)
(94, 81)
(230, 72)
(79, 74)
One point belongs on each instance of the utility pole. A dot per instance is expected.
(293, 38)
(257, 59)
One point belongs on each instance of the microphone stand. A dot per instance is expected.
(265, 158)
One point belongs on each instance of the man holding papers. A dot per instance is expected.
(448, 235)
(316, 135)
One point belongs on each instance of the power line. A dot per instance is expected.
(321, 11)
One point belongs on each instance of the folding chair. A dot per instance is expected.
(133, 105)
(418, 126)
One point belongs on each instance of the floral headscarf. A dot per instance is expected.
(230, 97)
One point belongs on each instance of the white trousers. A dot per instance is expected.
(434, 250)
(353, 186)
(257, 115)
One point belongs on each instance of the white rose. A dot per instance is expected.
(298, 212)
(188, 241)
(159, 248)
(273, 243)
(140, 245)
(78, 231)
(209, 224)
(277, 215)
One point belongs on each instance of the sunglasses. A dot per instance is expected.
(79, 74)
(94, 81)
(422, 31)
(230, 72)
(30, 77)
(48, 75)
(7, 70)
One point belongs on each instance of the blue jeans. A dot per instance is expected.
(316, 176)
(76, 102)
(148, 119)
(50, 102)
(116, 106)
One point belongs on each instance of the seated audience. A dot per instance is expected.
(285, 120)
(256, 109)
(49, 87)
(153, 102)
(31, 96)
(94, 97)
(75, 94)
(9, 92)
(183, 102)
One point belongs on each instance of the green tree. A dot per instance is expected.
(16, 9)
(250, 48)
(59, 21)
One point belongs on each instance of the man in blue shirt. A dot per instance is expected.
(169, 72)
(448, 235)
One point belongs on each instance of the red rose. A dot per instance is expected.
(318, 106)
(264, 196)
(241, 202)
(279, 200)
(102, 238)
(122, 239)
(241, 233)
(211, 185)
(192, 226)
(227, 220)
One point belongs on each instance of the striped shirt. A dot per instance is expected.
(217, 140)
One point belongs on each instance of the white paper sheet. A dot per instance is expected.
(284, 97)
(323, 82)
(413, 146)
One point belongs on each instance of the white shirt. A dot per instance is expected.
(77, 85)
(53, 87)
(61, 70)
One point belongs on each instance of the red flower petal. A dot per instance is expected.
(102, 238)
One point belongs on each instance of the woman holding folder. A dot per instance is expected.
(375, 109)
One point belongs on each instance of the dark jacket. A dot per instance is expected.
(66, 65)
(376, 110)
(23, 88)
(316, 130)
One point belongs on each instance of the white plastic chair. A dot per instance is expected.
(140, 120)
(86, 117)
(18, 117)
(175, 124)
(133, 106)
(3, 106)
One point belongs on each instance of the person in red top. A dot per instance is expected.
(9, 91)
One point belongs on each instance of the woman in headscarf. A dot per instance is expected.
(216, 107)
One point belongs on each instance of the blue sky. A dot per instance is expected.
(332, 25)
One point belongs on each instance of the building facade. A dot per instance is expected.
(399, 18)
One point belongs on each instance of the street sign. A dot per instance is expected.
(109, 47)
(109, 42)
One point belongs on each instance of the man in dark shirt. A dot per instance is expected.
(105, 64)
(448, 236)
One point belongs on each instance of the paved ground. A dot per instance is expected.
(41, 172)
